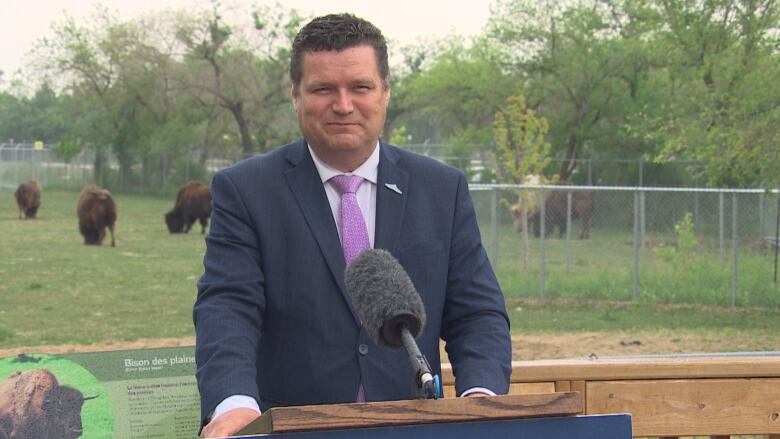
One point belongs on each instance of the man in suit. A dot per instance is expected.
(274, 323)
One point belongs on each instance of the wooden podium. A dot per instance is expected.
(547, 416)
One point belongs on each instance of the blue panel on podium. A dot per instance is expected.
(570, 427)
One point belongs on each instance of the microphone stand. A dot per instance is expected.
(423, 378)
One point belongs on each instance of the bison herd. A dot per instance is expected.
(33, 405)
(558, 211)
(97, 211)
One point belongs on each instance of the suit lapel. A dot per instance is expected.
(309, 193)
(390, 204)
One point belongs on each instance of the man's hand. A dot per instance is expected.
(229, 423)
(478, 395)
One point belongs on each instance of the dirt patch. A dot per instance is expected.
(100, 347)
(525, 347)
(585, 344)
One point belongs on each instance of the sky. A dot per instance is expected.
(22, 22)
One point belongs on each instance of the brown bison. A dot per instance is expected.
(96, 211)
(555, 207)
(28, 198)
(192, 202)
(34, 406)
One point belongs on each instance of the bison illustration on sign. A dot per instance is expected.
(33, 405)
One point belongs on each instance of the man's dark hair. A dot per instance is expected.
(337, 32)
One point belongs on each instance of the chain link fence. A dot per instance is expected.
(161, 173)
(592, 171)
(659, 245)
(21, 162)
(164, 172)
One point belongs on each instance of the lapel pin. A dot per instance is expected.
(394, 188)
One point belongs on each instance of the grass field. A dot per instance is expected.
(602, 268)
(55, 290)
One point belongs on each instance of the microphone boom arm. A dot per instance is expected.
(423, 378)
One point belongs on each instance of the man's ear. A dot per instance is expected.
(294, 95)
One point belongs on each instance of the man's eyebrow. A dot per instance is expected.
(364, 81)
(318, 83)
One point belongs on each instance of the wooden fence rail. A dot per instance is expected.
(697, 395)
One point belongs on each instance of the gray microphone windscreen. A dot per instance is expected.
(384, 297)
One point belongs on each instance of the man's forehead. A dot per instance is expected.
(343, 50)
(315, 62)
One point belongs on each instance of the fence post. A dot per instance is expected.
(734, 272)
(568, 231)
(494, 226)
(189, 157)
(143, 173)
(590, 172)
(542, 232)
(761, 214)
(16, 165)
(777, 235)
(83, 168)
(721, 225)
(642, 222)
(164, 165)
(48, 166)
(635, 271)
(641, 171)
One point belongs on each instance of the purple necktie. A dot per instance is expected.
(354, 234)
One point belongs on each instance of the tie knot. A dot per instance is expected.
(346, 184)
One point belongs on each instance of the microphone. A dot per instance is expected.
(390, 309)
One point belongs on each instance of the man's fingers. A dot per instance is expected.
(229, 423)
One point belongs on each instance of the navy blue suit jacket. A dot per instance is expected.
(273, 318)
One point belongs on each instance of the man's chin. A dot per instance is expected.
(346, 142)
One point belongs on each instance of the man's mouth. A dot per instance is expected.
(342, 125)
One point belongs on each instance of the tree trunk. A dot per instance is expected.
(569, 163)
(247, 146)
(97, 171)
(125, 168)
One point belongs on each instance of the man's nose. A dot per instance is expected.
(343, 102)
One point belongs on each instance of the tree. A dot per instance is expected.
(521, 152)
(29, 119)
(722, 105)
(248, 80)
(573, 59)
(455, 97)
(521, 146)
(92, 62)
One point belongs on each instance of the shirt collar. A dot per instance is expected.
(368, 170)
